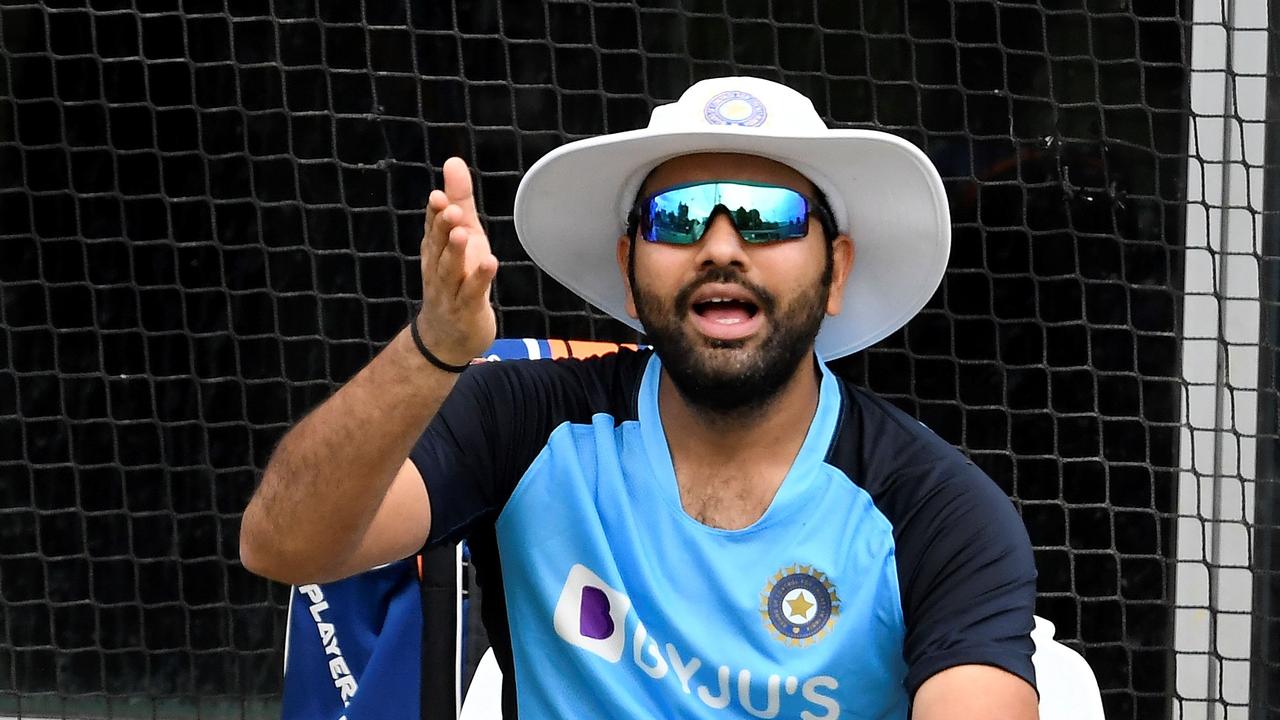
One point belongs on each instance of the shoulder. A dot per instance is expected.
(498, 418)
(877, 442)
(932, 495)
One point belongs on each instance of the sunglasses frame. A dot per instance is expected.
(813, 206)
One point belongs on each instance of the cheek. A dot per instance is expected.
(658, 267)
(791, 267)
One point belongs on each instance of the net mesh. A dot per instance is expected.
(209, 220)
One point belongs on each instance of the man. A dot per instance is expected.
(720, 526)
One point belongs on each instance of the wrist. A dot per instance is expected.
(440, 360)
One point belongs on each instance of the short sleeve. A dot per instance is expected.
(967, 573)
(496, 421)
(457, 455)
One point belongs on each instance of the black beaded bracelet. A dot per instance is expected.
(422, 348)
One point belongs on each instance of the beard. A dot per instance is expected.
(726, 377)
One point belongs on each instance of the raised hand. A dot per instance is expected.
(320, 487)
(457, 323)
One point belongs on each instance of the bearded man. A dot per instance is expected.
(718, 525)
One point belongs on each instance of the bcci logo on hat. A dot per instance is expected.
(735, 107)
(799, 605)
(592, 615)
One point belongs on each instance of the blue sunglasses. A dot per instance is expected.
(761, 213)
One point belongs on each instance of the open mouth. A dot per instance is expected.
(726, 310)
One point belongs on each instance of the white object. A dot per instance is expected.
(484, 696)
(1068, 688)
(1224, 332)
(571, 206)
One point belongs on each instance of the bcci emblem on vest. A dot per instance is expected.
(799, 605)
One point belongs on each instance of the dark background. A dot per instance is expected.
(209, 219)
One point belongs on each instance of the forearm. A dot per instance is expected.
(326, 479)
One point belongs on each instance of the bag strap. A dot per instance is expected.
(440, 600)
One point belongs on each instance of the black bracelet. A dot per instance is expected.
(422, 348)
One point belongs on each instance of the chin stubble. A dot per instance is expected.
(731, 385)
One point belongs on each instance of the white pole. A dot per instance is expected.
(1213, 591)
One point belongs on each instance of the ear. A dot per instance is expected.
(842, 252)
(624, 256)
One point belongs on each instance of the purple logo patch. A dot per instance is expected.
(593, 614)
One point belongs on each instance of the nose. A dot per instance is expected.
(721, 244)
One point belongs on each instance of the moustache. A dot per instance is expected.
(728, 276)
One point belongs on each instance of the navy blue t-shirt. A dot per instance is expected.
(884, 557)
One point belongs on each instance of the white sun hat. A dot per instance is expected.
(572, 205)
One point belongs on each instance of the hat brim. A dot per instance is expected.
(886, 194)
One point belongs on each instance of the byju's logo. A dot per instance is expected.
(592, 615)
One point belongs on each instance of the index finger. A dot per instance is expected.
(436, 203)
(457, 186)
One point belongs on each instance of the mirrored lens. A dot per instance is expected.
(761, 213)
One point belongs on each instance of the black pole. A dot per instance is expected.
(1264, 681)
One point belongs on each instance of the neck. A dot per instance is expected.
(768, 429)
